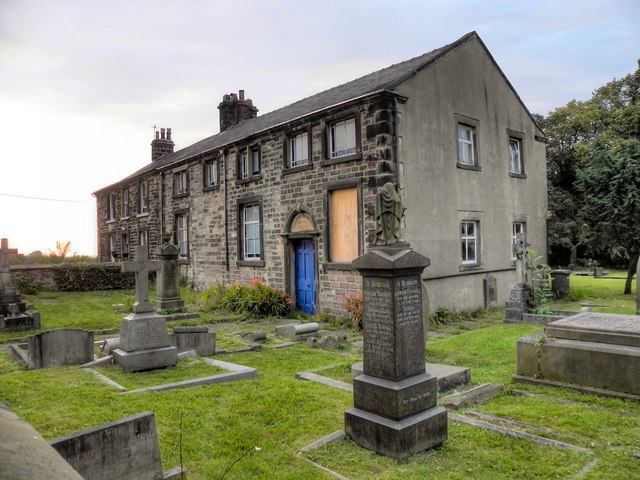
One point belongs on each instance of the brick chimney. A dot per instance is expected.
(233, 110)
(161, 145)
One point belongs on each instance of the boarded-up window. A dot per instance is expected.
(343, 214)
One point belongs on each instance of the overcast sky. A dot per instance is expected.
(83, 82)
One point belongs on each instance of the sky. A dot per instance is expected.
(84, 82)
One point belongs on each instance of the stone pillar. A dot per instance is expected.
(395, 412)
(144, 340)
(168, 279)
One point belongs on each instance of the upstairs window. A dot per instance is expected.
(299, 150)
(467, 149)
(211, 174)
(182, 235)
(143, 238)
(516, 153)
(125, 202)
(144, 197)
(111, 215)
(180, 183)
(342, 138)
(249, 163)
(469, 242)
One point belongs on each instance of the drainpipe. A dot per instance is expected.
(226, 215)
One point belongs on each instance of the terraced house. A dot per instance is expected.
(288, 196)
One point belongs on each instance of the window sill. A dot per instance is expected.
(211, 188)
(183, 260)
(111, 220)
(241, 181)
(180, 195)
(337, 266)
(464, 166)
(250, 263)
(470, 267)
(299, 168)
(140, 215)
(125, 218)
(346, 158)
(518, 175)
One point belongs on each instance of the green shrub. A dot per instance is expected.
(84, 277)
(257, 300)
(27, 285)
(354, 305)
(442, 316)
(213, 299)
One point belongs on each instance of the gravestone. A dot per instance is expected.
(298, 332)
(395, 412)
(168, 280)
(13, 311)
(60, 347)
(518, 296)
(199, 339)
(144, 340)
(592, 349)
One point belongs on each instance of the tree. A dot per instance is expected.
(610, 188)
(577, 133)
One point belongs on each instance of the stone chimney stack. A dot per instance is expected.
(234, 110)
(161, 145)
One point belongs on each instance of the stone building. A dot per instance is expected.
(288, 196)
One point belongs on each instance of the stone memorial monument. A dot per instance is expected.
(395, 412)
(168, 280)
(599, 350)
(144, 339)
(13, 311)
(518, 297)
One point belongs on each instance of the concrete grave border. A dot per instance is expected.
(235, 372)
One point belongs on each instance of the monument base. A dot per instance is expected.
(21, 322)
(398, 439)
(166, 303)
(141, 360)
(517, 304)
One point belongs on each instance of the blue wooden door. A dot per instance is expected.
(306, 277)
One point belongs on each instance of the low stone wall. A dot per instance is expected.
(42, 274)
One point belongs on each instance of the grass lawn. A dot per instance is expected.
(280, 414)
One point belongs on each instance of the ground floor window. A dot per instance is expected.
(469, 241)
(182, 235)
(343, 225)
(251, 232)
(518, 231)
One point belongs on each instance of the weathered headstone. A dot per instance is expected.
(13, 311)
(144, 340)
(593, 349)
(60, 347)
(168, 280)
(199, 339)
(298, 332)
(395, 412)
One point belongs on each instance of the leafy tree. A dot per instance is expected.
(610, 188)
(611, 115)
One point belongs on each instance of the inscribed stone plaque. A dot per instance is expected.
(393, 329)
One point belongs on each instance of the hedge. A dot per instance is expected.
(84, 277)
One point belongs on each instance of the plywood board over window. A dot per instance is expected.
(343, 210)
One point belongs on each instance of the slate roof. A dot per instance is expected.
(386, 79)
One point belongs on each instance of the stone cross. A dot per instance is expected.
(141, 267)
(5, 271)
(519, 249)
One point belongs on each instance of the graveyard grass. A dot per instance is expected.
(280, 414)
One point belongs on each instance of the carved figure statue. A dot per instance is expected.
(389, 212)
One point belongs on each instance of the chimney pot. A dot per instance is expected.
(162, 133)
(168, 134)
(241, 92)
(157, 135)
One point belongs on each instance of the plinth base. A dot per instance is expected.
(141, 360)
(397, 439)
(166, 303)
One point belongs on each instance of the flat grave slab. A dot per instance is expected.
(598, 327)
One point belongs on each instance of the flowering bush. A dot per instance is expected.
(354, 305)
(257, 300)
